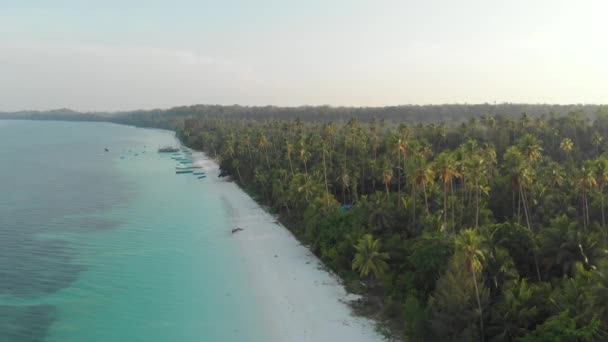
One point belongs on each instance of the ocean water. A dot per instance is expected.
(113, 246)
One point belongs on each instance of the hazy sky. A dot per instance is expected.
(128, 54)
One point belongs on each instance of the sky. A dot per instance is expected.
(142, 54)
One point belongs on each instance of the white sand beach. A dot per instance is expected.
(301, 301)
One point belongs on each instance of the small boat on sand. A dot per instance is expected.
(188, 167)
(168, 149)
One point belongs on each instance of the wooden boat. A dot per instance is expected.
(168, 149)
(188, 167)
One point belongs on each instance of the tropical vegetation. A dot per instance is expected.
(491, 228)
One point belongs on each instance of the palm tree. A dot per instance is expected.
(566, 145)
(514, 312)
(599, 292)
(368, 260)
(530, 148)
(521, 179)
(344, 180)
(597, 140)
(473, 253)
(478, 172)
(447, 169)
(323, 152)
(586, 182)
(306, 186)
(423, 177)
(387, 175)
(329, 134)
(562, 246)
(601, 177)
(263, 144)
(289, 154)
(304, 156)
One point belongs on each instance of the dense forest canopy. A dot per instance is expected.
(449, 113)
(457, 222)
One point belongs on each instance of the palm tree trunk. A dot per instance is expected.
(426, 200)
(478, 305)
(453, 200)
(291, 166)
(525, 204)
(512, 203)
(519, 206)
(239, 173)
(462, 193)
(523, 199)
(587, 206)
(399, 173)
(331, 147)
(267, 160)
(476, 203)
(602, 204)
(414, 204)
(325, 176)
(445, 204)
(584, 210)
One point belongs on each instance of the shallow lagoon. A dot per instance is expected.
(95, 247)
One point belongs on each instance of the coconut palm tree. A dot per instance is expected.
(514, 313)
(473, 253)
(447, 169)
(387, 175)
(263, 145)
(304, 156)
(368, 260)
(289, 153)
(586, 182)
(530, 148)
(600, 167)
(424, 176)
(566, 145)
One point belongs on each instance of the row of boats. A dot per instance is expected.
(184, 160)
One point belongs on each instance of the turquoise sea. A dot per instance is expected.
(113, 246)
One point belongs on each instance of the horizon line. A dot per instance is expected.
(299, 107)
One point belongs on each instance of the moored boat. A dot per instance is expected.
(168, 149)
(183, 171)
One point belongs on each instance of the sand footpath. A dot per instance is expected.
(301, 301)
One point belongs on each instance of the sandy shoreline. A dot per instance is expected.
(301, 301)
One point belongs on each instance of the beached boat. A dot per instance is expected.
(168, 149)
(182, 167)
(183, 171)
